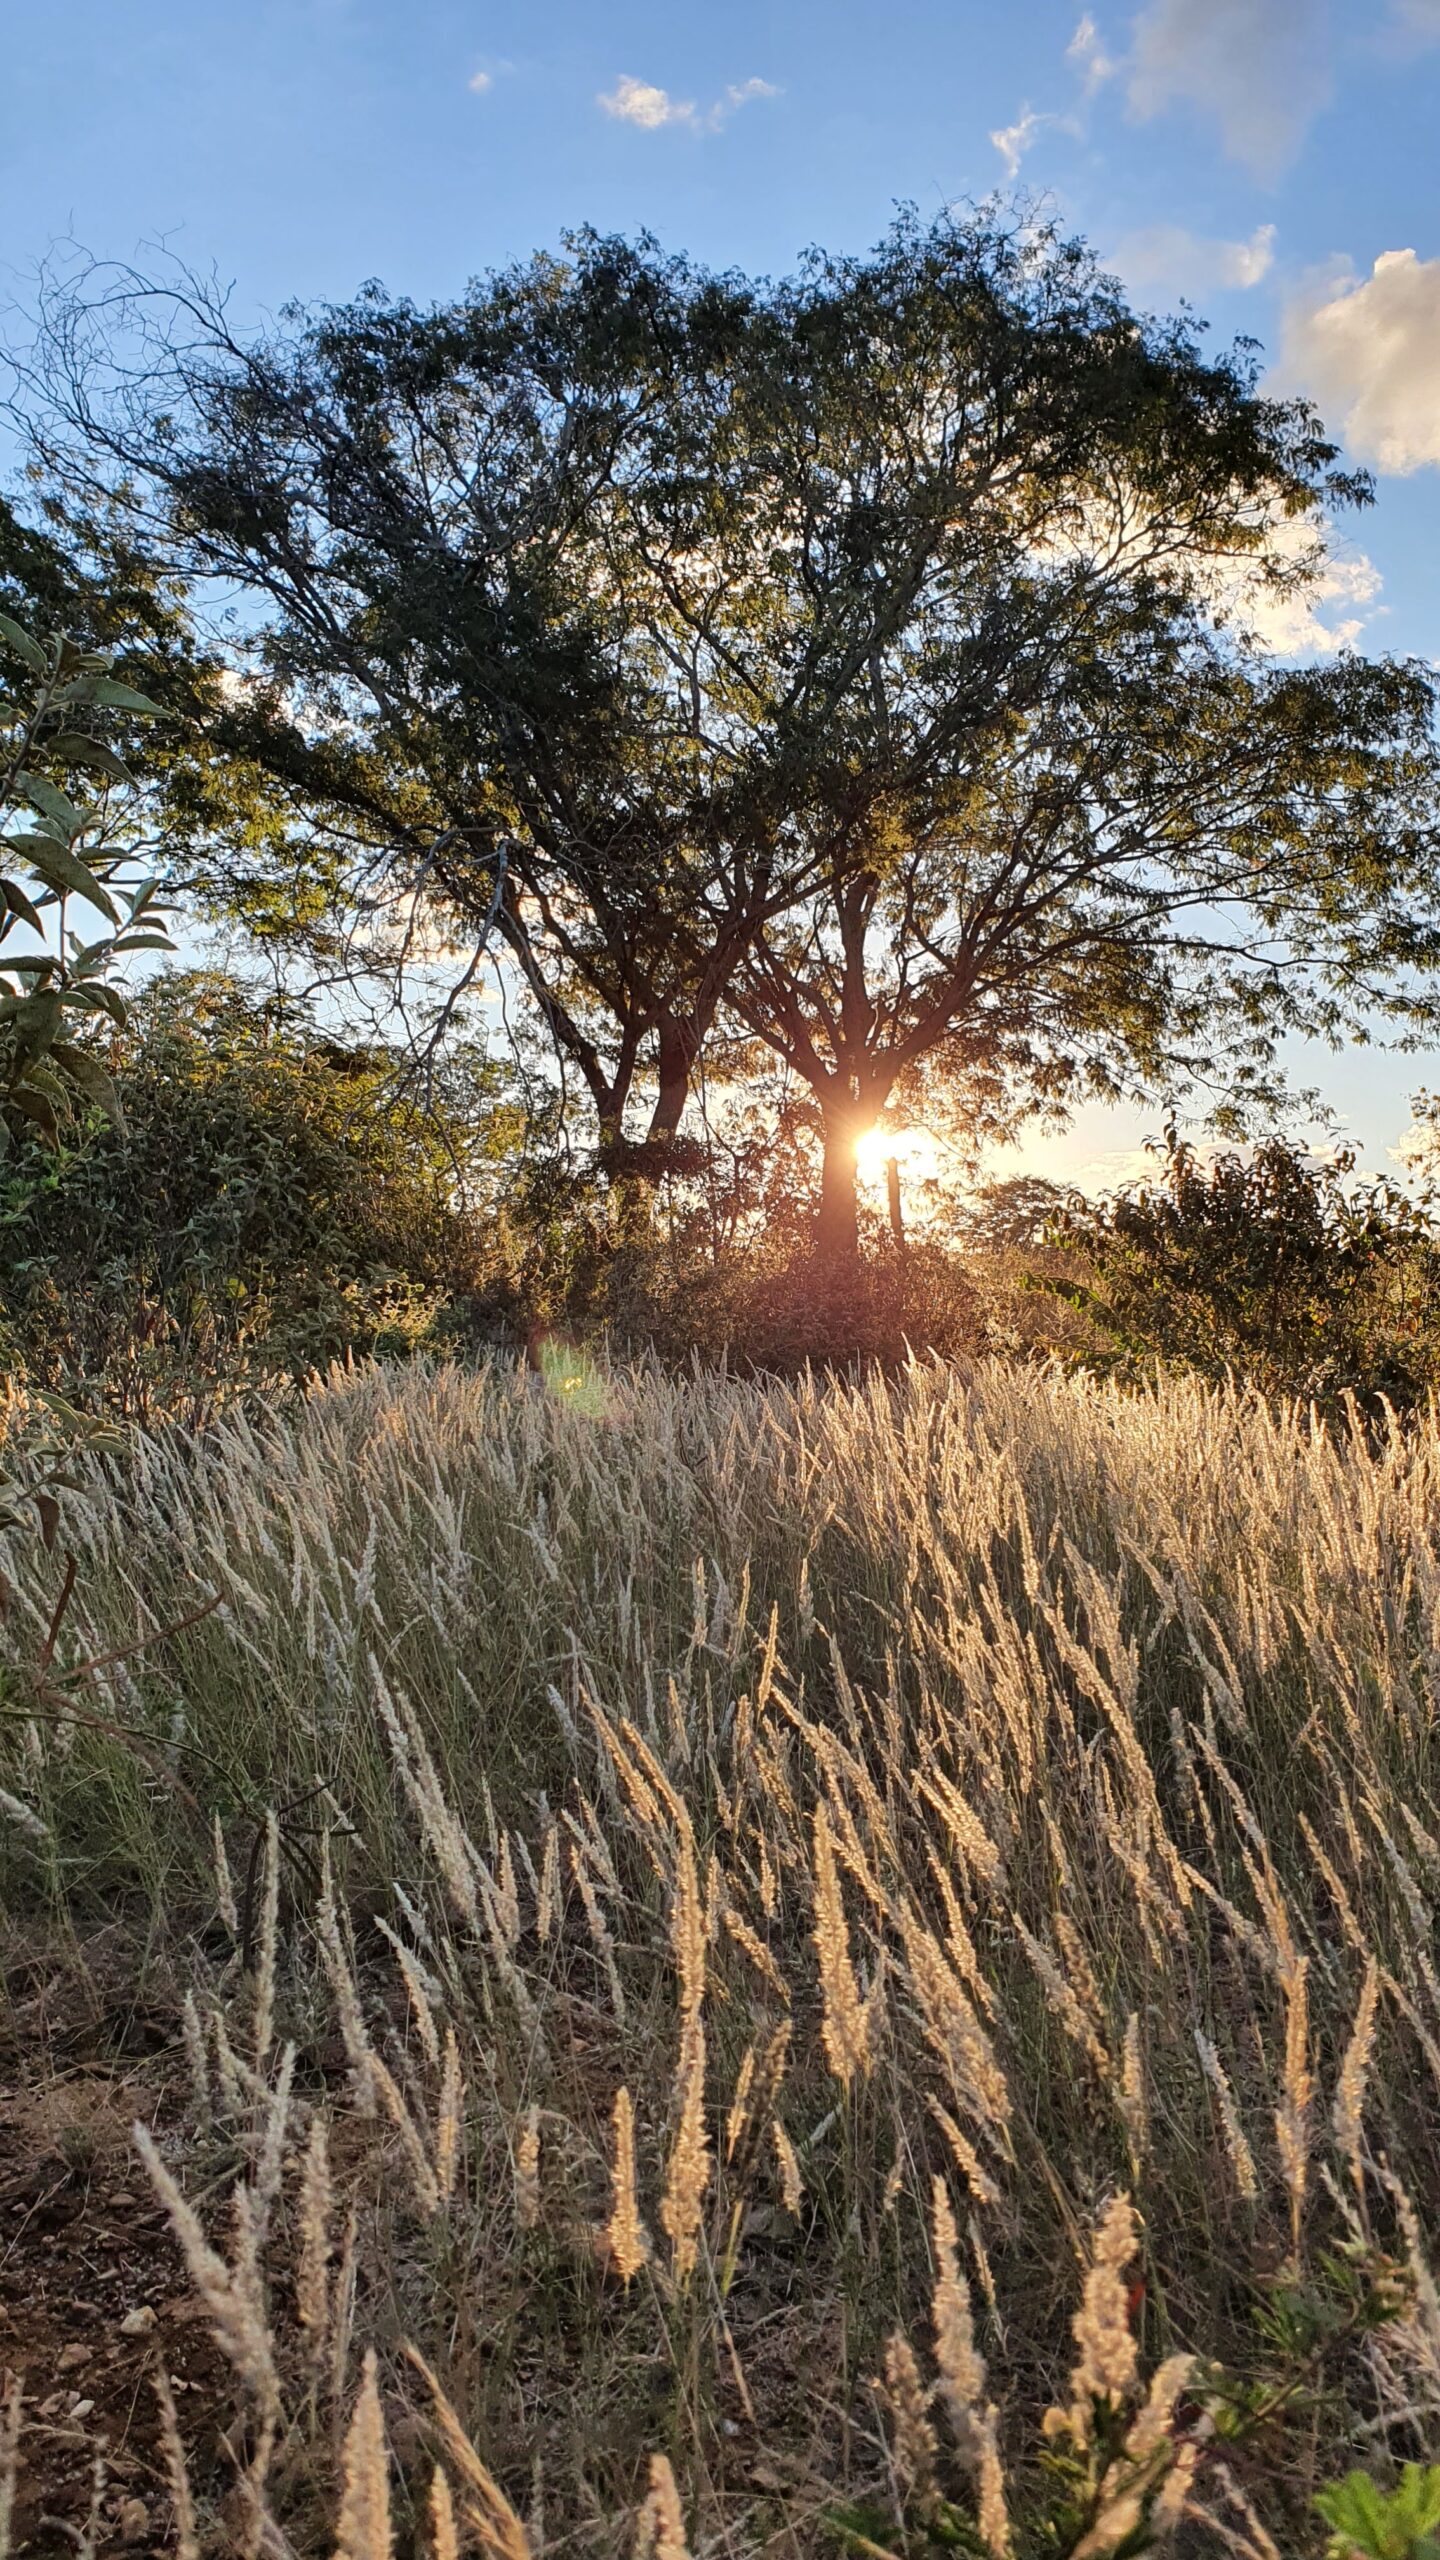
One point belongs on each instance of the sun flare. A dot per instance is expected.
(915, 1150)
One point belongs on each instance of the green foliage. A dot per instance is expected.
(1275, 1265)
(775, 1309)
(1100, 2478)
(53, 983)
(204, 806)
(625, 609)
(1398, 2524)
(43, 1439)
(270, 1197)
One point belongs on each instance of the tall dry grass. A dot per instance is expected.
(783, 1932)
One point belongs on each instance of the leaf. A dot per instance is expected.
(37, 1018)
(74, 749)
(65, 872)
(19, 905)
(74, 658)
(34, 1106)
(38, 1079)
(145, 942)
(1394, 2525)
(90, 1076)
(109, 695)
(101, 999)
(22, 646)
(42, 795)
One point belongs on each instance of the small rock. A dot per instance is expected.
(133, 2520)
(70, 2358)
(82, 2409)
(139, 2322)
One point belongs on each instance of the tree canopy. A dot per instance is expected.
(859, 665)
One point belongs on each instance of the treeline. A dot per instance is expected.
(268, 1198)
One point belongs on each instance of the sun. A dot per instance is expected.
(915, 1151)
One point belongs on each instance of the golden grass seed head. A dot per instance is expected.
(1105, 2367)
(364, 2529)
(625, 2233)
(687, 2174)
(915, 2444)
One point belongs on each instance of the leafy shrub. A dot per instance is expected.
(268, 1199)
(1275, 1265)
(1398, 2525)
(778, 1311)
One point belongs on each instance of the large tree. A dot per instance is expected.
(860, 659)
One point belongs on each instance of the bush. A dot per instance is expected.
(1274, 1265)
(776, 1312)
(267, 1202)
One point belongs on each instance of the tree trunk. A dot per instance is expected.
(892, 1194)
(837, 1229)
(677, 1046)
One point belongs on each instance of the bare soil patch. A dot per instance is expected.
(93, 2297)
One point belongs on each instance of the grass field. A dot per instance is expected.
(762, 1940)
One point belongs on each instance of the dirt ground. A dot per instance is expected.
(94, 2299)
(92, 2294)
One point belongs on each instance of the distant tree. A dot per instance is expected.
(863, 657)
(1015, 1212)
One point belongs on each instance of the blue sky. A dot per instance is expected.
(1257, 156)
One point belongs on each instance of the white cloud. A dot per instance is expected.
(1179, 261)
(1301, 592)
(1012, 141)
(1369, 354)
(480, 81)
(1316, 619)
(1259, 67)
(639, 102)
(1305, 625)
(1094, 65)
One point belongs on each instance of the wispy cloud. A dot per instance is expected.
(1260, 68)
(1369, 353)
(640, 102)
(1320, 620)
(480, 81)
(1012, 141)
(1093, 64)
(1164, 256)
